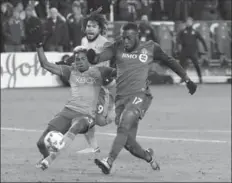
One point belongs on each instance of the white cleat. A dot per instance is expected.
(89, 150)
(44, 164)
(38, 164)
(154, 164)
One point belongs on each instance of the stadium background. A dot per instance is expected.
(191, 135)
(166, 20)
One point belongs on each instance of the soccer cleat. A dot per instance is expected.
(89, 150)
(44, 164)
(153, 162)
(38, 164)
(103, 165)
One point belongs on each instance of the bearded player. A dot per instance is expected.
(78, 115)
(95, 26)
(133, 98)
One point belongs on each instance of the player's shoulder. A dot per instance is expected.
(94, 70)
(84, 41)
(150, 44)
(103, 38)
(101, 41)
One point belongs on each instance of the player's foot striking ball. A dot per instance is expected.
(133, 98)
(78, 115)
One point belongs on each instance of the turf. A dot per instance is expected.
(191, 136)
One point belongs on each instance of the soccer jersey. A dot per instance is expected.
(133, 67)
(85, 88)
(97, 45)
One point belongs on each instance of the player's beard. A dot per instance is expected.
(93, 39)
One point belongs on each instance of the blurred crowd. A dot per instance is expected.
(62, 19)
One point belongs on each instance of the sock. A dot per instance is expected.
(41, 146)
(90, 137)
(118, 144)
(44, 151)
(135, 149)
(80, 126)
(68, 139)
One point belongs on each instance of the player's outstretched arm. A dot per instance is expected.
(53, 68)
(106, 55)
(38, 36)
(175, 66)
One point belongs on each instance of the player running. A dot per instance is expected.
(133, 62)
(79, 112)
(95, 26)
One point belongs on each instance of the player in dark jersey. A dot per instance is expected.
(133, 59)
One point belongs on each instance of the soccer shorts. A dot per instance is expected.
(140, 101)
(105, 103)
(64, 119)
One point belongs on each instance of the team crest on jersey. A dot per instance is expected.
(143, 57)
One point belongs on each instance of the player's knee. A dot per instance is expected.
(100, 120)
(128, 118)
(127, 147)
(81, 125)
(40, 143)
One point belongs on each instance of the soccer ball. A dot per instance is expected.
(54, 141)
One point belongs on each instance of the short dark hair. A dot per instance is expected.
(130, 26)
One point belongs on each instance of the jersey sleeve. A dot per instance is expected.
(201, 39)
(169, 61)
(108, 74)
(65, 71)
(107, 54)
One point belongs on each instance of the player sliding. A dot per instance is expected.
(77, 117)
(133, 61)
(95, 26)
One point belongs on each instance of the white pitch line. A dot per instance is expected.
(139, 136)
(189, 131)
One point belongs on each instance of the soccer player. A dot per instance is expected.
(78, 115)
(187, 41)
(133, 98)
(95, 26)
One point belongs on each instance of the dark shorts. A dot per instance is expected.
(64, 119)
(140, 101)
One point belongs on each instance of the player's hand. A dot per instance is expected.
(91, 54)
(192, 87)
(36, 33)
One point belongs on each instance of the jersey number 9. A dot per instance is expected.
(100, 109)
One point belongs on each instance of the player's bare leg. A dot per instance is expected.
(125, 139)
(101, 120)
(80, 126)
(90, 135)
(92, 141)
